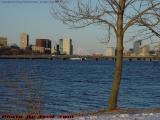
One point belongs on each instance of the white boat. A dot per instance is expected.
(77, 58)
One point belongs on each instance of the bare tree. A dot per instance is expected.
(121, 16)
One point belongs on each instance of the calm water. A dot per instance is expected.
(59, 87)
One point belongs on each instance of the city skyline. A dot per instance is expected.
(38, 22)
(26, 17)
(64, 46)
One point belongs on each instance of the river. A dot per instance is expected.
(65, 86)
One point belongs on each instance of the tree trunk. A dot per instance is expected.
(112, 103)
(116, 80)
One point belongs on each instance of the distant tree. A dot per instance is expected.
(15, 46)
(139, 18)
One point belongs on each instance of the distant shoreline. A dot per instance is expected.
(80, 57)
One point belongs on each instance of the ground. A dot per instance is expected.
(120, 114)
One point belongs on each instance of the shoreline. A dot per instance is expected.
(118, 114)
(118, 111)
(81, 57)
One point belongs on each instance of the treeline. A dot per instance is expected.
(15, 50)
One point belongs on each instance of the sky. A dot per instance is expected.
(36, 20)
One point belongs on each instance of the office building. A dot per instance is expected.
(53, 51)
(44, 43)
(37, 49)
(3, 41)
(60, 47)
(157, 49)
(24, 40)
(144, 50)
(57, 50)
(65, 46)
(110, 51)
(137, 46)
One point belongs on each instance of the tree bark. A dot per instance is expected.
(112, 103)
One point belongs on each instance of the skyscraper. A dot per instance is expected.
(46, 43)
(43, 46)
(65, 46)
(137, 46)
(3, 41)
(61, 46)
(144, 50)
(110, 51)
(24, 40)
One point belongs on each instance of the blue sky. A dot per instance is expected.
(36, 20)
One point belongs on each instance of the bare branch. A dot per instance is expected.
(150, 27)
(83, 15)
(134, 19)
(114, 5)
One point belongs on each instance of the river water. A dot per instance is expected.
(63, 86)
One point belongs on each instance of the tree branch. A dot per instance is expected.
(134, 19)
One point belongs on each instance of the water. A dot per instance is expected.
(59, 87)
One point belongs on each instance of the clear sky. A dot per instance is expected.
(36, 20)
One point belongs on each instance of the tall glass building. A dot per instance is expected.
(65, 46)
(24, 40)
